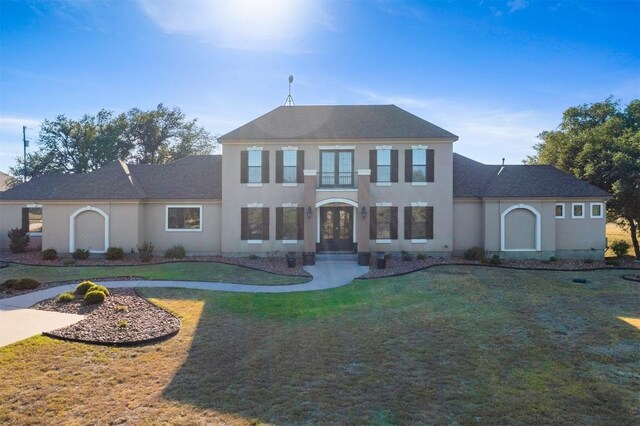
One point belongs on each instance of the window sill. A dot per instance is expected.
(559, 217)
(35, 234)
(577, 217)
(254, 241)
(254, 185)
(596, 217)
(418, 241)
(418, 183)
(289, 241)
(182, 230)
(291, 185)
(383, 183)
(384, 241)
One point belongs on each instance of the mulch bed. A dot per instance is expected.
(109, 324)
(632, 277)
(272, 264)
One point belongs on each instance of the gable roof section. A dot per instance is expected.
(338, 122)
(473, 179)
(193, 177)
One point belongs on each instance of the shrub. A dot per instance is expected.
(26, 284)
(49, 254)
(474, 253)
(620, 248)
(552, 259)
(114, 253)
(175, 252)
(84, 287)
(19, 240)
(123, 323)
(100, 288)
(68, 262)
(253, 257)
(495, 260)
(80, 254)
(9, 284)
(406, 256)
(421, 256)
(65, 297)
(145, 251)
(121, 308)
(94, 296)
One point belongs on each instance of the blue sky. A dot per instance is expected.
(496, 73)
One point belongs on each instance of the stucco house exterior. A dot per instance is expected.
(313, 179)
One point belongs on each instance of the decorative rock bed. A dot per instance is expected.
(124, 318)
(632, 277)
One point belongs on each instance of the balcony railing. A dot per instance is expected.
(338, 180)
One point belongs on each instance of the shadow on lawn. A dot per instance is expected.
(462, 352)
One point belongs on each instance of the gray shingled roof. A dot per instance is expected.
(338, 122)
(193, 177)
(473, 179)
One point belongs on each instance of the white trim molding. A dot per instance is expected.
(419, 146)
(364, 172)
(419, 204)
(255, 205)
(385, 147)
(336, 147)
(255, 148)
(573, 215)
(289, 205)
(336, 200)
(289, 148)
(383, 204)
(537, 230)
(181, 206)
(562, 216)
(72, 228)
(309, 172)
(591, 206)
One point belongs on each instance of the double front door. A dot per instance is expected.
(336, 229)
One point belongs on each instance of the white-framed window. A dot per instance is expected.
(383, 164)
(289, 166)
(32, 219)
(183, 218)
(419, 164)
(254, 166)
(577, 210)
(559, 210)
(596, 210)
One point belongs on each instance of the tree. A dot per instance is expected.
(145, 137)
(600, 143)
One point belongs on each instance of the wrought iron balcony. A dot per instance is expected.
(338, 180)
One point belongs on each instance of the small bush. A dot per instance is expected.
(474, 253)
(101, 288)
(26, 284)
(114, 253)
(495, 260)
(145, 251)
(80, 254)
(9, 284)
(84, 287)
(620, 248)
(19, 240)
(68, 262)
(406, 256)
(253, 257)
(65, 297)
(421, 256)
(123, 323)
(94, 296)
(49, 254)
(121, 308)
(175, 252)
(553, 259)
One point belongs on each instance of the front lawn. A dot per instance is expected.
(452, 344)
(179, 271)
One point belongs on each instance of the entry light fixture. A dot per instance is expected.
(309, 212)
(364, 212)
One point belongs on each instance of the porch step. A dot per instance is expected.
(346, 257)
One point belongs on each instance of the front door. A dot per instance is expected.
(336, 229)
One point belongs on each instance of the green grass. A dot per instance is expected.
(449, 345)
(180, 271)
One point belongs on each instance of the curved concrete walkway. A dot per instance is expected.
(17, 322)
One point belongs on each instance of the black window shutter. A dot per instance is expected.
(408, 165)
(279, 167)
(265, 223)
(430, 164)
(300, 213)
(265, 166)
(430, 223)
(25, 219)
(279, 223)
(244, 223)
(300, 167)
(373, 223)
(373, 165)
(394, 223)
(394, 165)
(407, 223)
(244, 166)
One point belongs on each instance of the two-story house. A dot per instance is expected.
(313, 179)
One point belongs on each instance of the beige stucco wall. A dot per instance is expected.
(580, 234)
(205, 241)
(437, 194)
(11, 217)
(520, 230)
(90, 231)
(468, 218)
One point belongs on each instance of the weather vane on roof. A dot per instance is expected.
(289, 100)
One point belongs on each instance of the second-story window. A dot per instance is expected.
(289, 166)
(336, 168)
(255, 166)
(384, 165)
(419, 165)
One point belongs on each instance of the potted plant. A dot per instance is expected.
(291, 259)
(364, 258)
(309, 258)
(381, 260)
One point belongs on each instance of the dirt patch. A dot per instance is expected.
(124, 318)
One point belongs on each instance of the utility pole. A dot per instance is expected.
(25, 142)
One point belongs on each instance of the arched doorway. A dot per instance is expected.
(89, 229)
(520, 229)
(336, 225)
